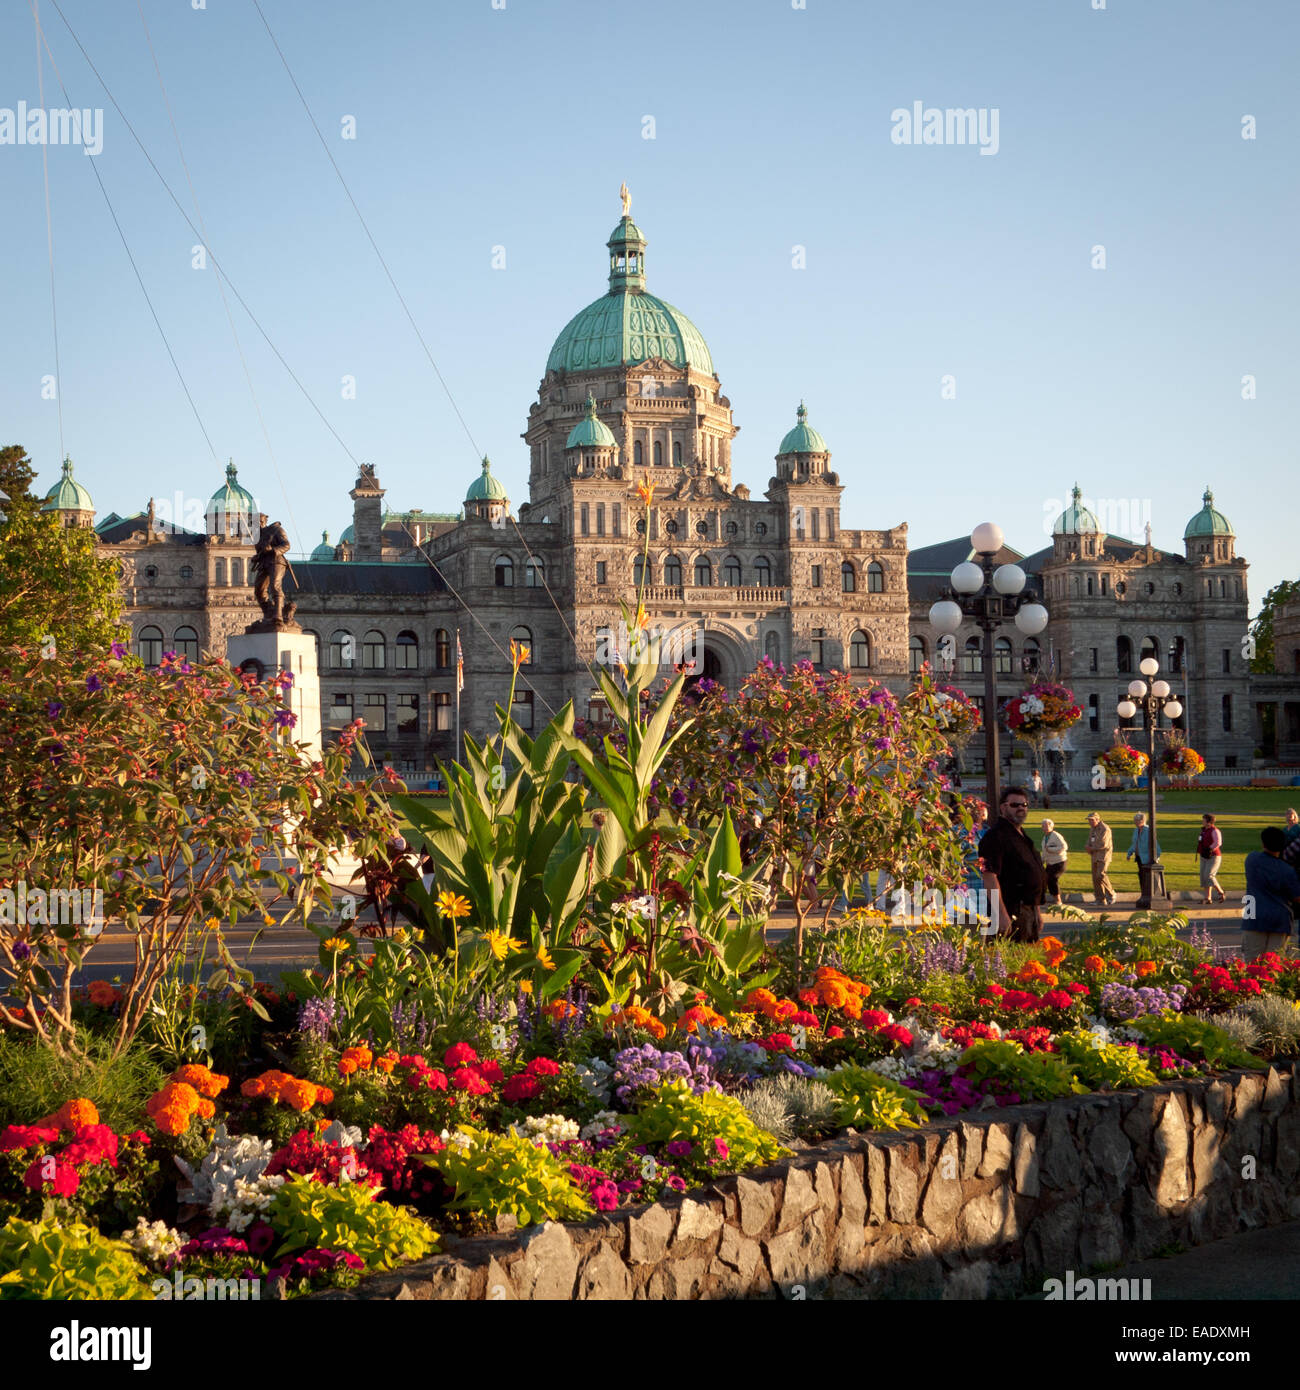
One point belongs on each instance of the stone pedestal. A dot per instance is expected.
(294, 652)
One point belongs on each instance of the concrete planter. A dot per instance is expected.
(981, 1205)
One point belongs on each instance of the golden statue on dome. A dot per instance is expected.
(627, 200)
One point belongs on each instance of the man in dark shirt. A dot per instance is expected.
(1013, 870)
(1272, 891)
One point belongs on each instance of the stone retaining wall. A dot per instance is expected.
(977, 1206)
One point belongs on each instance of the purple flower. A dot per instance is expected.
(678, 797)
(53, 708)
(93, 683)
(316, 1018)
(679, 1148)
(118, 649)
(284, 719)
(21, 950)
(243, 779)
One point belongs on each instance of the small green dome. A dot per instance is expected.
(626, 325)
(324, 551)
(67, 495)
(349, 536)
(1208, 522)
(231, 497)
(803, 439)
(590, 432)
(1076, 518)
(486, 488)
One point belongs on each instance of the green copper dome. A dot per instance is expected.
(231, 497)
(1208, 522)
(349, 536)
(627, 325)
(803, 439)
(1076, 518)
(324, 551)
(590, 432)
(486, 488)
(67, 495)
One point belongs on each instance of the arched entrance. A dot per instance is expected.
(714, 655)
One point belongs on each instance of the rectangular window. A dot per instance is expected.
(1090, 586)
(830, 524)
(1094, 713)
(1230, 760)
(376, 714)
(600, 571)
(617, 519)
(816, 525)
(442, 713)
(408, 714)
(341, 711)
(1105, 584)
(1092, 659)
(584, 514)
(818, 647)
(600, 518)
(521, 708)
(816, 576)
(1227, 661)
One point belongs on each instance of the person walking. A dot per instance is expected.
(1036, 785)
(1292, 827)
(1272, 895)
(1055, 855)
(1100, 847)
(1140, 845)
(1209, 851)
(1013, 873)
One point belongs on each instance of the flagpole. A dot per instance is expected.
(460, 681)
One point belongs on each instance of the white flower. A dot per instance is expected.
(154, 1240)
(547, 1129)
(603, 1120)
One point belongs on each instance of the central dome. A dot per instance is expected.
(627, 325)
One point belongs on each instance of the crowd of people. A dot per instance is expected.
(1022, 877)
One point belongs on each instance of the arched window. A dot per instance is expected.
(637, 453)
(731, 572)
(534, 574)
(236, 573)
(763, 572)
(659, 453)
(504, 572)
(372, 651)
(186, 643)
(677, 453)
(772, 647)
(343, 650)
(442, 648)
(219, 572)
(1002, 656)
(875, 579)
(1124, 656)
(915, 654)
(673, 572)
(703, 572)
(848, 577)
(642, 571)
(732, 528)
(859, 651)
(972, 658)
(149, 645)
(524, 640)
(407, 655)
(1150, 647)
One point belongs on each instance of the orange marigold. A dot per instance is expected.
(71, 1115)
(1094, 964)
(701, 1014)
(1146, 967)
(386, 1062)
(834, 994)
(205, 1081)
(172, 1108)
(560, 1009)
(760, 1000)
(356, 1058)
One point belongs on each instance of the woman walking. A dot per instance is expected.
(1209, 850)
(1055, 854)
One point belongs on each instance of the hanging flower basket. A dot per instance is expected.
(1039, 712)
(1122, 761)
(958, 716)
(1181, 762)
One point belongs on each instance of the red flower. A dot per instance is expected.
(809, 1020)
(467, 1079)
(521, 1087)
(542, 1066)
(26, 1137)
(491, 1071)
(835, 1031)
(912, 1003)
(1056, 999)
(1076, 988)
(896, 1033)
(458, 1054)
(63, 1182)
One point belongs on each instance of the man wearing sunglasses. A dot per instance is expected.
(1014, 876)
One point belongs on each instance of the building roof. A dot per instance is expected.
(116, 530)
(324, 552)
(1208, 522)
(803, 439)
(67, 495)
(627, 325)
(1076, 518)
(363, 577)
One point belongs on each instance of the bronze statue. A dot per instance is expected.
(270, 563)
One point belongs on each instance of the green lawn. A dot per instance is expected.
(1241, 814)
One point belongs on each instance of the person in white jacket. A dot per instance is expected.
(1055, 855)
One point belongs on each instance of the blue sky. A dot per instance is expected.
(479, 127)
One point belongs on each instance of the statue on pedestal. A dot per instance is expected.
(270, 563)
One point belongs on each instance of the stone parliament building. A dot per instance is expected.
(630, 395)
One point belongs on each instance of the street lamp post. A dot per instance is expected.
(988, 596)
(1150, 700)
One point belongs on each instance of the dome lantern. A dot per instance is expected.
(1077, 519)
(70, 498)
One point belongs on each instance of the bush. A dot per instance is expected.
(1190, 1036)
(307, 1215)
(1104, 1066)
(674, 1112)
(787, 1105)
(1274, 1020)
(35, 1080)
(43, 1259)
(1031, 1075)
(867, 1100)
(507, 1173)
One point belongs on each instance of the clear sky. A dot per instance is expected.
(481, 127)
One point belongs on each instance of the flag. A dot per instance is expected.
(460, 665)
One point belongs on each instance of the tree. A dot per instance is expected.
(1263, 661)
(55, 585)
(16, 475)
(153, 798)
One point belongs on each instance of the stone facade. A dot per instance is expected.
(630, 398)
(982, 1205)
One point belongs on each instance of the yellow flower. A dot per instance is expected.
(544, 959)
(526, 986)
(268, 920)
(453, 905)
(645, 489)
(212, 924)
(642, 619)
(519, 653)
(500, 944)
(337, 944)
